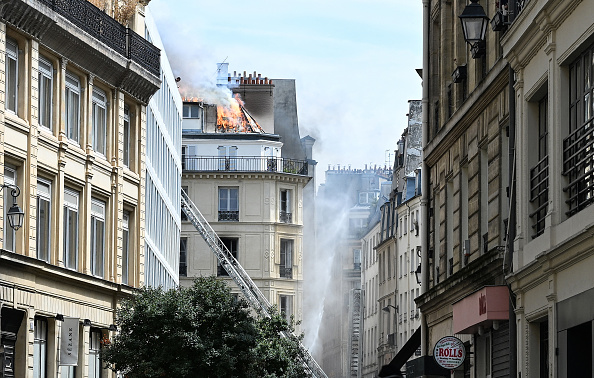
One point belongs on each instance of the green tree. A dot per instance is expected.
(199, 331)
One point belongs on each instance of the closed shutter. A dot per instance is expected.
(500, 351)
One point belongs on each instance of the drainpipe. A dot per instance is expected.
(513, 346)
(425, 175)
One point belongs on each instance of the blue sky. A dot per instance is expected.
(353, 61)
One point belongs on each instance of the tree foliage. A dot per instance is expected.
(199, 331)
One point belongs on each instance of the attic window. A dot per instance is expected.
(191, 111)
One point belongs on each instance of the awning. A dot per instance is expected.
(481, 308)
(407, 350)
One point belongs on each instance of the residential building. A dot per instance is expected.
(464, 206)
(249, 179)
(163, 174)
(74, 100)
(371, 313)
(549, 49)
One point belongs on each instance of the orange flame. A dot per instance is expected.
(235, 118)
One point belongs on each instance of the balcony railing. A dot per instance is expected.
(286, 272)
(228, 216)
(285, 217)
(578, 167)
(539, 194)
(245, 164)
(104, 28)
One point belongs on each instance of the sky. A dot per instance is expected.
(353, 63)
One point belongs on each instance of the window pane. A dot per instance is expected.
(233, 200)
(43, 228)
(126, 137)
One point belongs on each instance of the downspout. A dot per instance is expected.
(513, 346)
(425, 175)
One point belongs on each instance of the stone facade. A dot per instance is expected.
(69, 103)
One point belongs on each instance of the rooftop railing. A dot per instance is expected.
(107, 30)
(244, 164)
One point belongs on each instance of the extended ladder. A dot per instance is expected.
(239, 275)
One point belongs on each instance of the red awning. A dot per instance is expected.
(481, 308)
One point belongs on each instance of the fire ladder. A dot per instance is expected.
(241, 278)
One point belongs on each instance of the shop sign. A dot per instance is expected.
(449, 352)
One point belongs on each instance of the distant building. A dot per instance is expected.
(345, 203)
(249, 174)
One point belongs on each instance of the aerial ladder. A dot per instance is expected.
(249, 289)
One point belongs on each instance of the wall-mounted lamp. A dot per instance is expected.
(474, 26)
(113, 328)
(60, 317)
(87, 322)
(15, 215)
(387, 308)
(418, 274)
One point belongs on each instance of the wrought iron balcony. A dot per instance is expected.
(228, 216)
(107, 30)
(286, 272)
(285, 217)
(539, 194)
(578, 167)
(244, 164)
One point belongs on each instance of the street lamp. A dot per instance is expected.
(474, 23)
(15, 215)
(387, 308)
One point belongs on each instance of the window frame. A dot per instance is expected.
(227, 210)
(40, 340)
(98, 217)
(126, 136)
(285, 208)
(285, 306)
(99, 124)
(71, 120)
(183, 256)
(232, 244)
(71, 252)
(95, 368)
(286, 258)
(46, 88)
(44, 252)
(126, 247)
(12, 63)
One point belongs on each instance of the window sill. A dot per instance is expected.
(15, 121)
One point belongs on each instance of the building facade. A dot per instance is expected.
(163, 174)
(73, 132)
(465, 204)
(250, 186)
(549, 48)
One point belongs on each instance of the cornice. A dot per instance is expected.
(286, 177)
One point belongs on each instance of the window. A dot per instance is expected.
(46, 77)
(286, 258)
(126, 156)
(40, 349)
(227, 158)
(191, 111)
(67, 371)
(125, 247)
(97, 237)
(70, 229)
(11, 68)
(43, 220)
(10, 178)
(183, 257)
(405, 224)
(539, 174)
(231, 244)
(286, 306)
(228, 204)
(357, 259)
(94, 350)
(99, 120)
(285, 215)
(72, 107)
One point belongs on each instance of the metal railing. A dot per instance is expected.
(245, 164)
(578, 167)
(286, 272)
(539, 194)
(285, 217)
(107, 30)
(228, 216)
